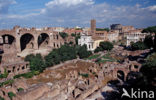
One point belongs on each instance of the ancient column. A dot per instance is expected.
(18, 44)
(36, 41)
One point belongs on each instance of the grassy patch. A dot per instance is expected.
(27, 75)
(8, 82)
(106, 58)
(85, 75)
(93, 57)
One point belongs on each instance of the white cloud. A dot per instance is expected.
(70, 13)
(68, 2)
(152, 8)
(105, 13)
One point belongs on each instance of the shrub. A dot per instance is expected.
(36, 62)
(1, 98)
(149, 41)
(138, 46)
(8, 82)
(5, 75)
(20, 89)
(85, 75)
(27, 75)
(106, 45)
(11, 95)
(73, 35)
(29, 57)
(151, 29)
(148, 69)
(98, 49)
(62, 54)
(83, 53)
(93, 57)
(52, 58)
(63, 35)
(155, 43)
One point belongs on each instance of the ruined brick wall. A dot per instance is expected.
(55, 40)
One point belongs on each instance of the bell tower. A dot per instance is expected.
(93, 26)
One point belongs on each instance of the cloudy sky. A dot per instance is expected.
(71, 13)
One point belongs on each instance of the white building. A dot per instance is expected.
(87, 40)
(59, 29)
(134, 36)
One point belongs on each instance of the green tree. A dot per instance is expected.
(29, 57)
(155, 43)
(1, 98)
(63, 35)
(149, 41)
(83, 53)
(11, 95)
(106, 45)
(76, 38)
(151, 29)
(149, 68)
(5, 75)
(52, 58)
(98, 49)
(73, 35)
(138, 46)
(67, 52)
(37, 63)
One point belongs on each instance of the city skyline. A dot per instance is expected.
(67, 13)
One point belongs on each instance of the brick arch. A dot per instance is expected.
(43, 38)
(7, 38)
(121, 75)
(125, 71)
(25, 40)
(12, 33)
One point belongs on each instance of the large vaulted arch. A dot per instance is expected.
(8, 39)
(27, 41)
(43, 40)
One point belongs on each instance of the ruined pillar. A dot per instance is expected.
(1, 39)
(36, 42)
(6, 39)
(18, 44)
(51, 40)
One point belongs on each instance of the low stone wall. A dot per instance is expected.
(33, 93)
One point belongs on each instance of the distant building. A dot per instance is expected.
(97, 43)
(113, 36)
(91, 42)
(86, 40)
(127, 29)
(70, 31)
(101, 34)
(134, 36)
(93, 26)
(116, 27)
(58, 29)
(86, 30)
